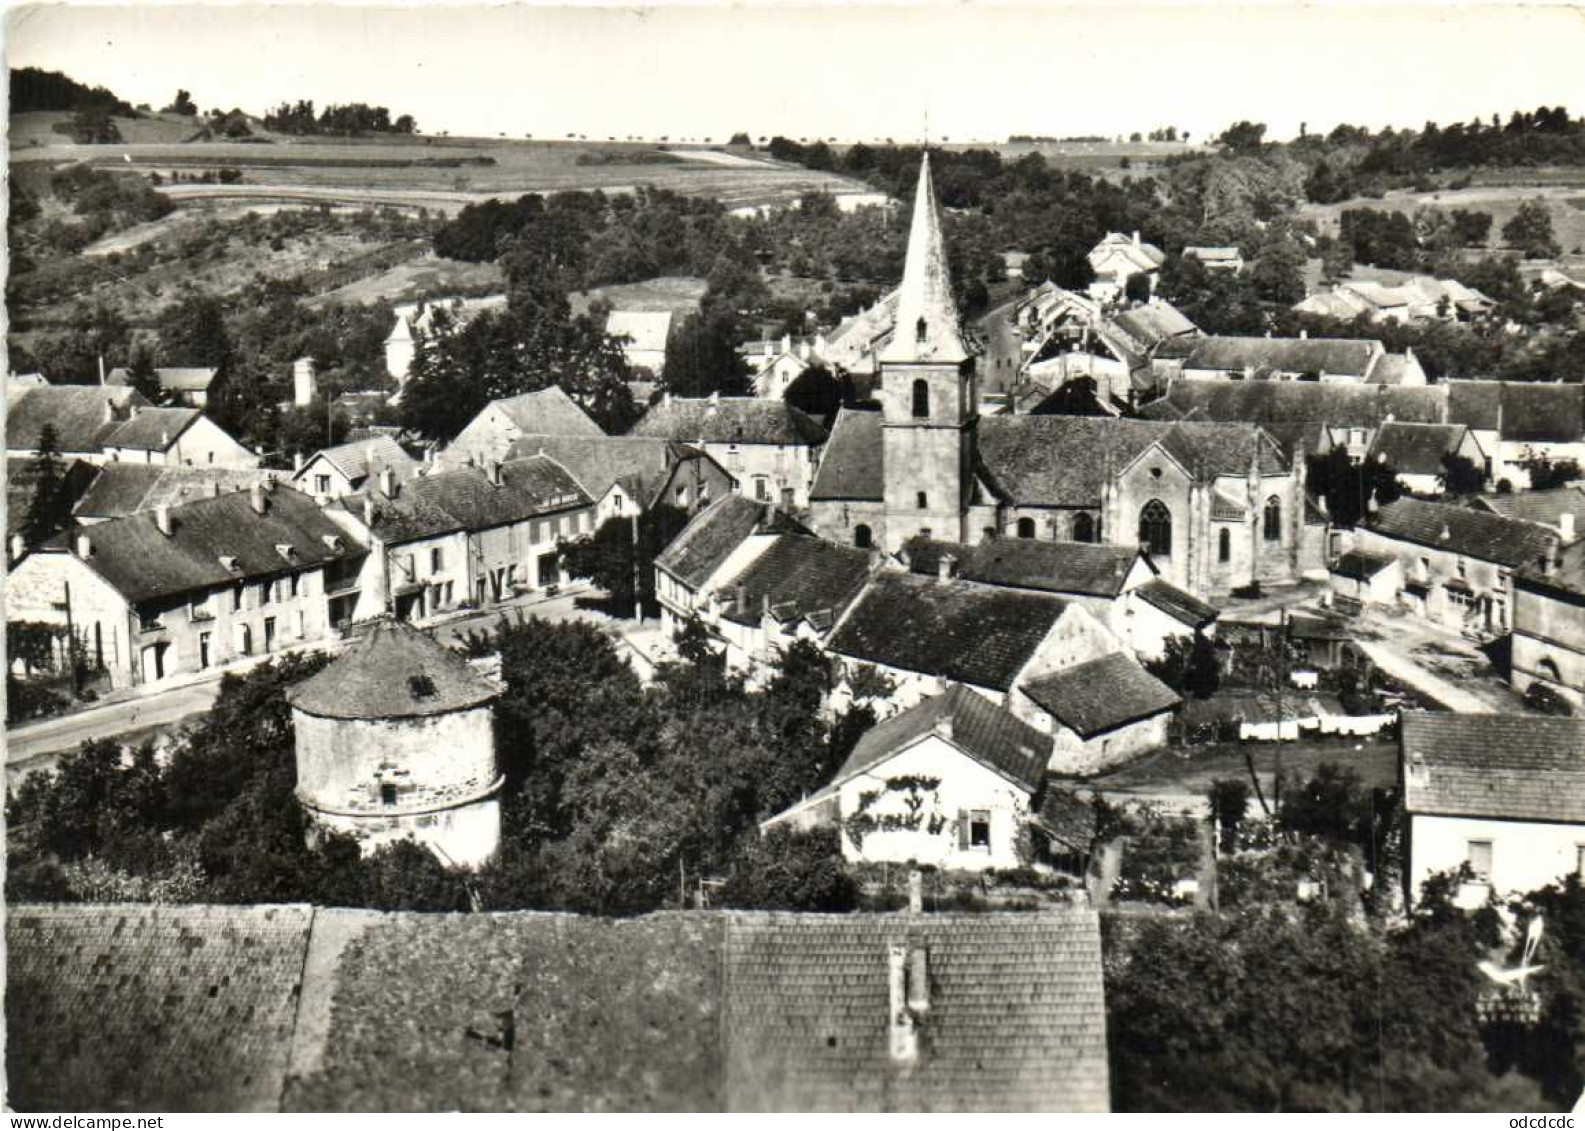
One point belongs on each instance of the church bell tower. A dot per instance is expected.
(928, 392)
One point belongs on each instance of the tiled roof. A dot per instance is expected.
(1182, 606)
(853, 344)
(461, 310)
(151, 429)
(1101, 695)
(81, 414)
(927, 315)
(466, 499)
(1016, 1018)
(1351, 357)
(1416, 449)
(120, 489)
(1527, 411)
(799, 575)
(957, 630)
(1069, 818)
(393, 671)
(1299, 402)
(1518, 767)
(1144, 256)
(1080, 568)
(648, 329)
(357, 460)
(710, 537)
(1333, 304)
(1545, 507)
(1212, 254)
(1154, 322)
(129, 1007)
(174, 379)
(987, 733)
(639, 463)
(852, 462)
(1460, 530)
(730, 420)
(1361, 566)
(549, 410)
(1390, 370)
(142, 564)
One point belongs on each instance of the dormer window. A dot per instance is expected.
(334, 543)
(229, 564)
(287, 551)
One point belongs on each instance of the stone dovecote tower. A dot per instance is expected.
(928, 392)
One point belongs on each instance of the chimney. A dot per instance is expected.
(1136, 237)
(495, 472)
(110, 410)
(1419, 774)
(786, 343)
(165, 438)
(767, 349)
(918, 980)
(388, 482)
(256, 497)
(764, 605)
(715, 396)
(903, 1038)
(944, 726)
(916, 892)
(162, 519)
(1303, 335)
(85, 547)
(741, 599)
(368, 511)
(18, 546)
(303, 382)
(946, 567)
(297, 462)
(1565, 525)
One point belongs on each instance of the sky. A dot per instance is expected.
(977, 72)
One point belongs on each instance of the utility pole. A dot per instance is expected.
(71, 643)
(638, 574)
(1282, 678)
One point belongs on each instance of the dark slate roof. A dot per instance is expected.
(730, 420)
(151, 429)
(1299, 402)
(852, 462)
(1417, 449)
(393, 671)
(120, 489)
(1177, 603)
(357, 460)
(1351, 357)
(985, 732)
(1081, 568)
(1361, 566)
(1545, 507)
(1016, 1019)
(80, 414)
(134, 1007)
(799, 575)
(465, 499)
(957, 630)
(549, 410)
(1101, 695)
(639, 463)
(1533, 411)
(1518, 767)
(1460, 530)
(712, 535)
(1069, 818)
(142, 564)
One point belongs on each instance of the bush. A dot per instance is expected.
(787, 870)
(1547, 700)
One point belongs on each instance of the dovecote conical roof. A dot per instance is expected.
(927, 327)
(393, 671)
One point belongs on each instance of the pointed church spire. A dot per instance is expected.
(927, 327)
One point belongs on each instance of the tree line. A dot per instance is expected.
(353, 119)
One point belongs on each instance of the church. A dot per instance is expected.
(1217, 506)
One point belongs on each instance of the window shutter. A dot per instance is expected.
(963, 829)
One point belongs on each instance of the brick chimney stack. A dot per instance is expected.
(388, 482)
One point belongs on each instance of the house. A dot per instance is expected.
(1158, 611)
(1503, 795)
(74, 478)
(81, 416)
(854, 347)
(1549, 625)
(951, 782)
(768, 446)
(628, 475)
(1118, 257)
(468, 537)
(776, 365)
(1214, 259)
(333, 472)
(1366, 579)
(1520, 423)
(1356, 361)
(926, 633)
(121, 489)
(499, 424)
(395, 740)
(174, 437)
(1419, 453)
(1100, 713)
(187, 385)
(1560, 508)
(417, 318)
(644, 334)
(1418, 298)
(192, 587)
(1067, 336)
(1458, 564)
(716, 543)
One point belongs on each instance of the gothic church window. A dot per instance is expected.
(1273, 520)
(1224, 545)
(1155, 528)
(1083, 528)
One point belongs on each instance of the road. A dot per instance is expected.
(36, 746)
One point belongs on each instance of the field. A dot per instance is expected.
(426, 277)
(676, 293)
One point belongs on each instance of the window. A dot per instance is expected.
(265, 592)
(980, 830)
(1478, 855)
(236, 599)
(1026, 528)
(1273, 522)
(387, 793)
(203, 650)
(923, 502)
(921, 406)
(437, 559)
(1083, 528)
(921, 329)
(1356, 437)
(1224, 545)
(861, 536)
(1579, 861)
(787, 497)
(294, 585)
(761, 489)
(1155, 528)
(1462, 567)
(321, 484)
(199, 609)
(1503, 577)
(1425, 568)
(269, 634)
